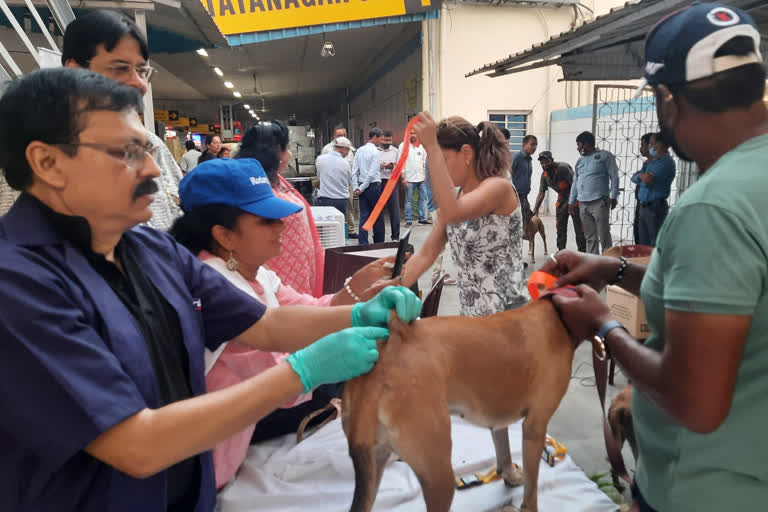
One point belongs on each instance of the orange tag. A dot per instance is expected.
(539, 283)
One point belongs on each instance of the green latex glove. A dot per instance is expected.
(375, 312)
(338, 357)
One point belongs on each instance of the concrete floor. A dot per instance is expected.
(577, 423)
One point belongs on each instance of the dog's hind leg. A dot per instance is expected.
(512, 476)
(534, 438)
(425, 445)
(543, 234)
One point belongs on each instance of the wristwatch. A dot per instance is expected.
(598, 341)
(608, 327)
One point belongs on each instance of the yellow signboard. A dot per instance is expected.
(244, 16)
(162, 115)
(183, 122)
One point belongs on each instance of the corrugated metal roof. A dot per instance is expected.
(610, 47)
(272, 35)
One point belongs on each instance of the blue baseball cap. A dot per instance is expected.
(241, 183)
(682, 47)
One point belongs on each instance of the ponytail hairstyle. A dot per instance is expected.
(485, 139)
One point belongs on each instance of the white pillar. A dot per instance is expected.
(149, 108)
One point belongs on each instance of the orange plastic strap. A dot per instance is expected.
(540, 282)
(392, 182)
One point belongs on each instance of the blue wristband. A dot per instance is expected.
(608, 327)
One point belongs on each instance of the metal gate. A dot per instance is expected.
(619, 122)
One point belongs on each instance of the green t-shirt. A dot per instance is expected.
(712, 257)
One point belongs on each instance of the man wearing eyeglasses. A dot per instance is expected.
(111, 44)
(103, 323)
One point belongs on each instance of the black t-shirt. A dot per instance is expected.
(159, 324)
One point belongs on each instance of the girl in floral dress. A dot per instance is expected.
(483, 222)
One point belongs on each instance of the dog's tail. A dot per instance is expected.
(397, 330)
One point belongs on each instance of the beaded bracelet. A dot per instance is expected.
(349, 289)
(622, 270)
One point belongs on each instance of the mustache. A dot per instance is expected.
(145, 188)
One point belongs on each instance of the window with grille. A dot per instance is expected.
(516, 123)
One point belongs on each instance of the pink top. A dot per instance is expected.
(237, 362)
(302, 256)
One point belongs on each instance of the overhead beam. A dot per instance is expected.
(62, 13)
(19, 31)
(9, 61)
(43, 26)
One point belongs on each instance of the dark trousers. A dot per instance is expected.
(368, 200)
(393, 207)
(561, 222)
(525, 208)
(339, 204)
(285, 421)
(650, 217)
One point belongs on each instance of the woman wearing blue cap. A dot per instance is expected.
(233, 222)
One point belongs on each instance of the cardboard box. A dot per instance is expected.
(629, 310)
(625, 307)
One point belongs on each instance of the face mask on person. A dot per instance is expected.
(653, 152)
(385, 146)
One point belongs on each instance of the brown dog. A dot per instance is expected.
(620, 420)
(492, 371)
(533, 226)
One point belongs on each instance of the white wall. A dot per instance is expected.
(471, 36)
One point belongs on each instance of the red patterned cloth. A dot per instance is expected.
(302, 257)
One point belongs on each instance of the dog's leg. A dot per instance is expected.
(532, 246)
(534, 437)
(427, 450)
(512, 475)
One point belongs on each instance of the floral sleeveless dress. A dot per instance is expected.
(488, 254)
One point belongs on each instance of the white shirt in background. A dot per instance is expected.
(415, 170)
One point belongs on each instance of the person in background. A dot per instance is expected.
(596, 189)
(645, 141)
(104, 322)
(225, 152)
(212, 148)
(482, 223)
(190, 158)
(335, 175)
(559, 177)
(654, 183)
(352, 209)
(111, 44)
(414, 177)
(387, 160)
(302, 259)
(522, 170)
(700, 400)
(367, 169)
(234, 227)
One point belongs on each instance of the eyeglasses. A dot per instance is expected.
(132, 155)
(122, 71)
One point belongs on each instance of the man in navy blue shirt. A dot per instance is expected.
(654, 182)
(104, 322)
(522, 169)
